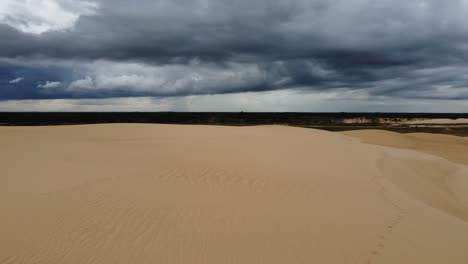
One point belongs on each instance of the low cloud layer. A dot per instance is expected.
(405, 50)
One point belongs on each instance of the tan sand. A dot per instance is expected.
(452, 148)
(201, 194)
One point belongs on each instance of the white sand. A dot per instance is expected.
(203, 194)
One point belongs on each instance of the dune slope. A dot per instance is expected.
(449, 147)
(202, 194)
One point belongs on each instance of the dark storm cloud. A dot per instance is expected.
(414, 49)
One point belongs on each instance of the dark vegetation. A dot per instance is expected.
(326, 121)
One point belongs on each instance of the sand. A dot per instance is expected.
(449, 147)
(203, 194)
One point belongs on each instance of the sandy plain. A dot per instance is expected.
(205, 194)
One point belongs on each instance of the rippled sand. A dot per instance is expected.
(204, 194)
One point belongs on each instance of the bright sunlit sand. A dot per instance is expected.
(204, 194)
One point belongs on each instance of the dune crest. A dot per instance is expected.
(203, 194)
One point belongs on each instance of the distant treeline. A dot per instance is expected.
(205, 118)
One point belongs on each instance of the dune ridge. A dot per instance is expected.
(202, 194)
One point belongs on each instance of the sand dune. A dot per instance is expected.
(202, 194)
(452, 148)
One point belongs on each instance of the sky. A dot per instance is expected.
(234, 55)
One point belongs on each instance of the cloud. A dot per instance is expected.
(221, 29)
(82, 84)
(194, 77)
(48, 85)
(32, 16)
(276, 101)
(408, 50)
(17, 80)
